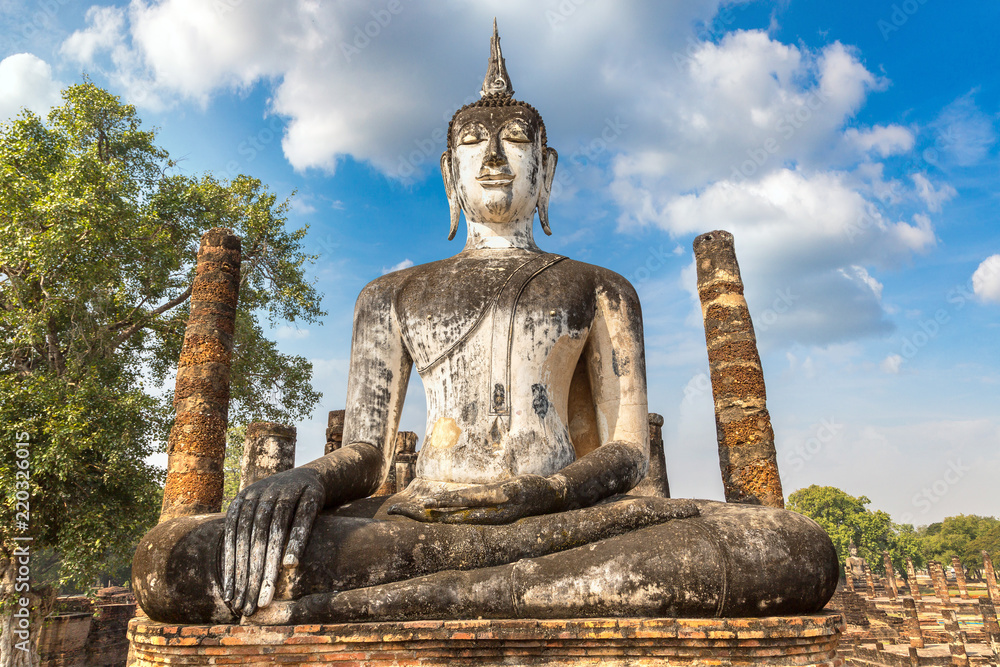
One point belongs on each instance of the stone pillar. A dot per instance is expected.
(963, 589)
(959, 658)
(912, 623)
(911, 579)
(890, 576)
(197, 443)
(940, 582)
(989, 613)
(914, 657)
(334, 431)
(848, 577)
(269, 448)
(991, 578)
(400, 468)
(655, 483)
(743, 426)
(406, 459)
(870, 579)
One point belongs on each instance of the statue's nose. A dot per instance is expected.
(494, 152)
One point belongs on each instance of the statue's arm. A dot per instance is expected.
(268, 523)
(616, 365)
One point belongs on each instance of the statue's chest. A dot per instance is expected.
(499, 311)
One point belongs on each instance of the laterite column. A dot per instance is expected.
(269, 448)
(743, 425)
(197, 444)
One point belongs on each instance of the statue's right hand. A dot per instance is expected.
(268, 523)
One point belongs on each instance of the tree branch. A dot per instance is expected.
(125, 335)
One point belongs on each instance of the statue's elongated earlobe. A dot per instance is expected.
(549, 160)
(449, 190)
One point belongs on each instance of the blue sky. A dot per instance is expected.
(850, 147)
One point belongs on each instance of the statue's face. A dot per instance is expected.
(497, 160)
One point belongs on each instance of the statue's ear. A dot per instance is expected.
(449, 191)
(549, 159)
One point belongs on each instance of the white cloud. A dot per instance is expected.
(891, 364)
(26, 81)
(105, 32)
(405, 264)
(932, 198)
(881, 139)
(986, 279)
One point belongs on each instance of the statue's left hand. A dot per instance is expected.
(497, 503)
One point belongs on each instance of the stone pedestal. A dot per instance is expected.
(783, 640)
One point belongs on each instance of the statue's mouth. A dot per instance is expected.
(495, 180)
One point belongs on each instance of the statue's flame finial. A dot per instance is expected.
(496, 82)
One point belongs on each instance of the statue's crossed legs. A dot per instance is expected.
(627, 557)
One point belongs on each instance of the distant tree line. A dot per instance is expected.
(847, 519)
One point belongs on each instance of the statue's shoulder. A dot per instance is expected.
(599, 278)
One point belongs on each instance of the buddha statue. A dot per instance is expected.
(534, 370)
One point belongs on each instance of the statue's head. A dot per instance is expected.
(497, 167)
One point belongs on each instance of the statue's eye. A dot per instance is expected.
(517, 133)
(471, 135)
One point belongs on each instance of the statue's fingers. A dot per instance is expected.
(484, 496)
(305, 514)
(229, 549)
(244, 531)
(275, 544)
(258, 549)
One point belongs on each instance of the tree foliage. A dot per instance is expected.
(846, 519)
(965, 536)
(100, 235)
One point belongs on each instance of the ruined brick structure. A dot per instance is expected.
(743, 425)
(929, 627)
(197, 443)
(334, 431)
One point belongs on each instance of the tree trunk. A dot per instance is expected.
(16, 648)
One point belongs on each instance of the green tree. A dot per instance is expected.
(846, 519)
(99, 238)
(966, 536)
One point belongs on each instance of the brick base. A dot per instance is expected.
(781, 640)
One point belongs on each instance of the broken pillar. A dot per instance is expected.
(406, 441)
(911, 579)
(655, 483)
(989, 613)
(940, 582)
(743, 426)
(890, 576)
(912, 623)
(334, 431)
(848, 577)
(991, 578)
(196, 447)
(269, 448)
(963, 589)
(406, 459)
(959, 656)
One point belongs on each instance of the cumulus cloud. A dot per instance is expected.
(986, 279)
(26, 81)
(932, 198)
(287, 332)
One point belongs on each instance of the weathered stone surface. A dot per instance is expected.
(963, 588)
(655, 484)
(989, 574)
(197, 443)
(746, 441)
(334, 431)
(269, 448)
(805, 641)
